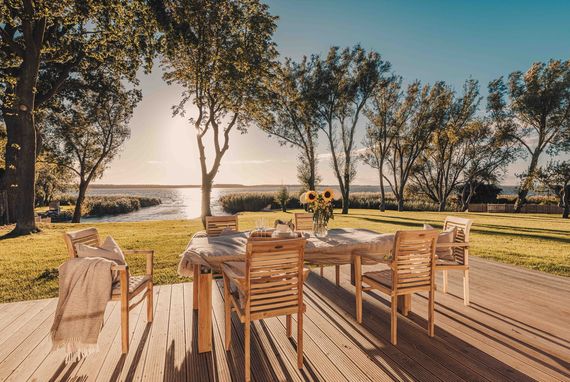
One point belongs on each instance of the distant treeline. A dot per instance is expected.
(257, 201)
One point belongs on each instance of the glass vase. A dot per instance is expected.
(320, 228)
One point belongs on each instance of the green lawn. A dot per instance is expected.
(26, 264)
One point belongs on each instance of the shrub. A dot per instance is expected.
(246, 201)
(257, 201)
(282, 198)
(110, 205)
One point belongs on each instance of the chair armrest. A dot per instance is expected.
(149, 257)
(120, 268)
(452, 245)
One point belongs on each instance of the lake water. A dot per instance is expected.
(184, 203)
(180, 203)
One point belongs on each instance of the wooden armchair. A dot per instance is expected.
(412, 270)
(459, 253)
(216, 224)
(129, 286)
(269, 283)
(304, 222)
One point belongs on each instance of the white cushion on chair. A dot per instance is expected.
(109, 250)
(445, 237)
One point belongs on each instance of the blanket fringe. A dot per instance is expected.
(75, 349)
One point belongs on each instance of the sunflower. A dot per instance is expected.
(328, 195)
(303, 198)
(311, 196)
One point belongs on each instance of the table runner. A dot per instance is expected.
(337, 248)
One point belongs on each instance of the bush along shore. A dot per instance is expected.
(105, 205)
(257, 201)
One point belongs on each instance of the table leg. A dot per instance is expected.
(352, 278)
(195, 287)
(205, 312)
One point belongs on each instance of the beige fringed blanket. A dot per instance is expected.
(84, 290)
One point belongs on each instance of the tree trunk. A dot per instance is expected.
(206, 194)
(80, 199)
(312, 179)
(10, 157)
(526, 183)
(566, 202)
(400, 204)
(441, 206)
(382, 206)
(345, 200)
(26, 135)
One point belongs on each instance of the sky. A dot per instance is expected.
(425, 40)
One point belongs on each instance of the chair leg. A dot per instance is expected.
(466, 287)
(125, 324)
(149, 302)
(300, 339)
(288, 325)
(358, 285)
(431, 313)
(227, 314)
(337, 274)
(322, 268)
(445, 280)
(394, 321)
(247, 350)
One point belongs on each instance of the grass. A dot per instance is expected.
(28, 264)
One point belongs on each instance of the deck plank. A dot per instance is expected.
(508, 333)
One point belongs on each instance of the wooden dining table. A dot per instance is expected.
(205, 254)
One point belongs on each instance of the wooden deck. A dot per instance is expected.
(517, 328)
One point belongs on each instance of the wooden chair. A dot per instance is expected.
(459, 251)
(412, 270)
(129, 286)
(269, 283)
(304, 222)
(216, 224)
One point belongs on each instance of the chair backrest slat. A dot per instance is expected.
(88, 236)
(216, 224)
(274, 274)
(303, 221)
(414, 260)
(462, 230)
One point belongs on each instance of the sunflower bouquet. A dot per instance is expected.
(321, 205)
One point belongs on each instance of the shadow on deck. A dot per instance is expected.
(516, 329)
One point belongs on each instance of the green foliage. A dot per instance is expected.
(343, 83)
(290, 114)
(222, 54)
(109, 205)
(246, 201)
(282, 197)
(536, 114)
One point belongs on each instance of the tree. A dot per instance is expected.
(282, 197)
(556, 177)
(414, 135)
(536, 114)
(51, 179)
(222, 53)
(387, 113)
(290, 116)
(90, 127)
(42, 43)
(491, 151)
(439, 168)
(344, 82)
